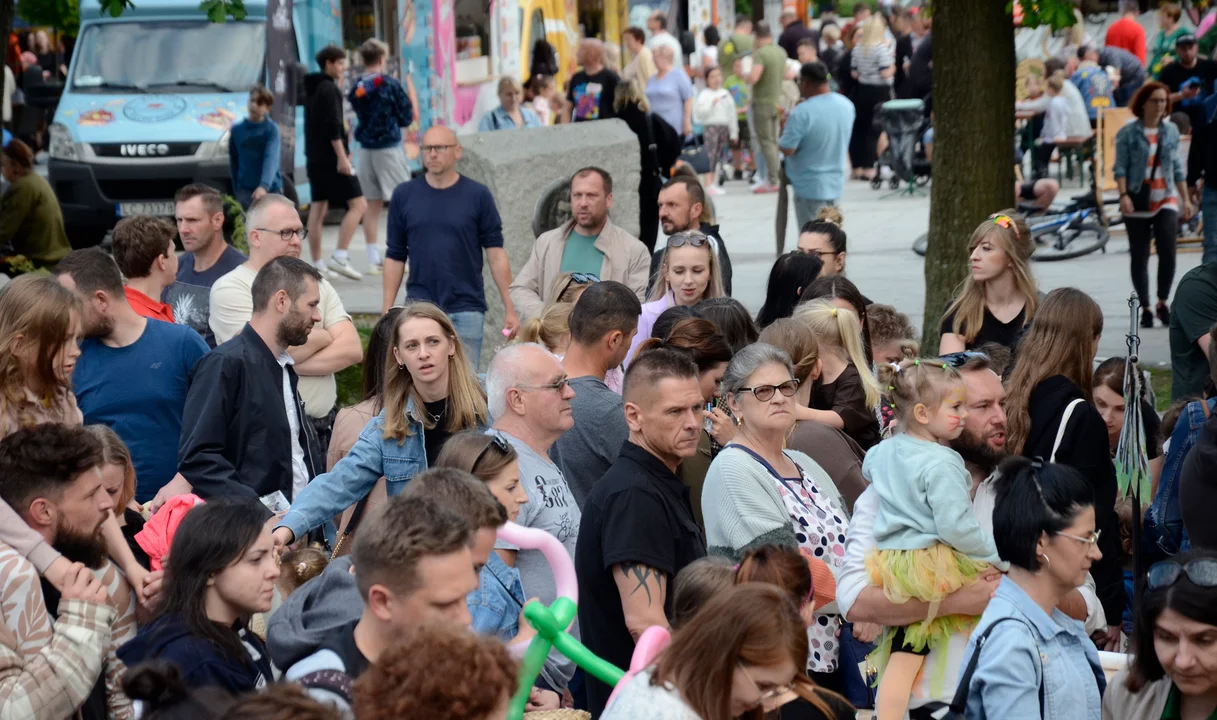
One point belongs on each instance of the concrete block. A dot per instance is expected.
(517, 165)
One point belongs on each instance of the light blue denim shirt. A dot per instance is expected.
(496, 603)
(1132, 155)
(498, 119)
(1021, 655)
(372, 457)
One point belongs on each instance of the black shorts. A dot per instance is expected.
(899, 646)
(1027, 191)
(329, 185)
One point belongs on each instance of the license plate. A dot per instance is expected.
(156, 209)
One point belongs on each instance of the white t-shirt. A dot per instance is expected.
(638, 698)
(299, 468)
(667, 38)
(232, 306)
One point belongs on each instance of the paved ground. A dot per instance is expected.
(880, 260)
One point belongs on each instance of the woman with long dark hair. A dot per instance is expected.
(791, 275)
(221, 570)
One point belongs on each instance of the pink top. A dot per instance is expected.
(650, 313)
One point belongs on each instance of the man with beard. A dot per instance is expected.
(982, 447)
(589, 245)
(121, 345)
(57, 653)
(275, 230)
(681, 203)
(244, 431)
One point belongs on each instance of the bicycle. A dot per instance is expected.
(1076, 229)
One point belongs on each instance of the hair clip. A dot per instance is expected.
(891, 388)
(1005, 221)
(301, 567)
(917, 362)
(897, 366)
(834, 312)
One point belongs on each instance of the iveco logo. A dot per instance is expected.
(143, 149)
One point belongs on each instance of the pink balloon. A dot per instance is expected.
(652, 642)
(1206, 23)
(559, 560)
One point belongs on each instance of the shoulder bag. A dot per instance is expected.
(1060, 430)
(955, 709)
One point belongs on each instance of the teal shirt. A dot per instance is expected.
(581, 255)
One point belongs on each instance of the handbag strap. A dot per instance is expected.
(357, 514)
(960, 701)
(1060, 431)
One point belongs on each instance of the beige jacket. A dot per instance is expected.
(626, 260)
(1121, 704)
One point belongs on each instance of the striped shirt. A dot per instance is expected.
(1161, 191)
(869, 60)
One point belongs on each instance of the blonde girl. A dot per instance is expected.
(847, 390)
(551, 329)
(929, 543)
(998, 299)
(688, 274)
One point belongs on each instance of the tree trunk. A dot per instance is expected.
(973, 141)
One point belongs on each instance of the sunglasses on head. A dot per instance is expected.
(581, 278)
(681, 239)
(1005, 221)
(498, 443)
(1202, 572)
(959, 359)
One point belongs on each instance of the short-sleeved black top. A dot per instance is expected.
(846, 396)
(638, 512)
(992, 330)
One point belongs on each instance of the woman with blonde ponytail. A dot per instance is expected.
(550, 329)
(847, 389)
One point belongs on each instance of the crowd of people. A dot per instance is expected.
(823, 514)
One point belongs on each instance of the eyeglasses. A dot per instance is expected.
(764, 695)
(822, 253)
(498, 443)
(286, 234)
(765, 392)
(437, 149)
(681, 239)
(559, 385)
(1088, 540)
(959, 359)
(1202, 572)
(581, 278)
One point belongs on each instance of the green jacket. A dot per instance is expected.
(31, 221)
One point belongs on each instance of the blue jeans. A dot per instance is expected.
(470, 329)
(1208, 210)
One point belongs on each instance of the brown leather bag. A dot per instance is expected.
(349, 520)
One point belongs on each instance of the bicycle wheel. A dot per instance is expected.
(921, 243)
(1069, 241)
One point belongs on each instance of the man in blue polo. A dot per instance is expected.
(815, 143)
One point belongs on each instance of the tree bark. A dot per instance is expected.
(973, 141)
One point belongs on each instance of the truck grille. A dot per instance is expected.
(159, 189)
(140, 150)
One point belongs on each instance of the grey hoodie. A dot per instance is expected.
(312, 612)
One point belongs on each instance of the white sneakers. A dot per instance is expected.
(342, 266)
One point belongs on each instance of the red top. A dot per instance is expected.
(148, 307)
(1127, 34)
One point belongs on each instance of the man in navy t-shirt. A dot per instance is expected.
(200, 223)
(132, 372)
(441, 222)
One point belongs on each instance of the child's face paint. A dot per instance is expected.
(947, 422)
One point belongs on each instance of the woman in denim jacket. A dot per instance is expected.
(430, 392)
(1040, 664)
(1151, 139)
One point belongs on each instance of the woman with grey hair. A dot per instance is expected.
(757, 493)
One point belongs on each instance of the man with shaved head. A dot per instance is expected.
(529, 398)
(589, 96)
(440, 223)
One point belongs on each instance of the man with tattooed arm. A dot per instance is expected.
(638, 528)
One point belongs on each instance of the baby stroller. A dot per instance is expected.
(903, 121)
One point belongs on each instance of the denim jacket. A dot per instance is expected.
(372, 457)
(1132, 155)
(1165, 522)
(1035, 649)
(496, 604)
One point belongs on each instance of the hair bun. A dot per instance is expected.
(158, 683)
(829, 213)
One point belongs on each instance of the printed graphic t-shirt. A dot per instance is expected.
(591, 96)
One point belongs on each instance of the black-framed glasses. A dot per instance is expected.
(286, 234)
(764, 393)
(560, 385)
(498, 442)
(436, 148)
(959, 359)
(688, 237)
(822, 253)
(1202, 572)
(581, 278)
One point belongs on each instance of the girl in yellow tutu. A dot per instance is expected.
(929, 542)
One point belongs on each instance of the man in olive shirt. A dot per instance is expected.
(735, 45)
(768, 70)
(1192, 316)
(31, 223)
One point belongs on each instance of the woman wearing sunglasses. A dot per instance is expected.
(688, 274)
(1037, 661)
(430, 393)
(758, 493)
(741, 652)
(1173, 673)
(999, 297)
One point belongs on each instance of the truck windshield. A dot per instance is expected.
(156, 56)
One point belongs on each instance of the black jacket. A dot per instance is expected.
(724, 260)
(795, 33)
(1085, 448)
(323, 121)
(236, 438)
(201, 662)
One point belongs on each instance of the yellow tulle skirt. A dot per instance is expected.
(929, 575)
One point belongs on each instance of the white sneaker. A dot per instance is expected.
(716, 190)
(376, 269)
(343, 267)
